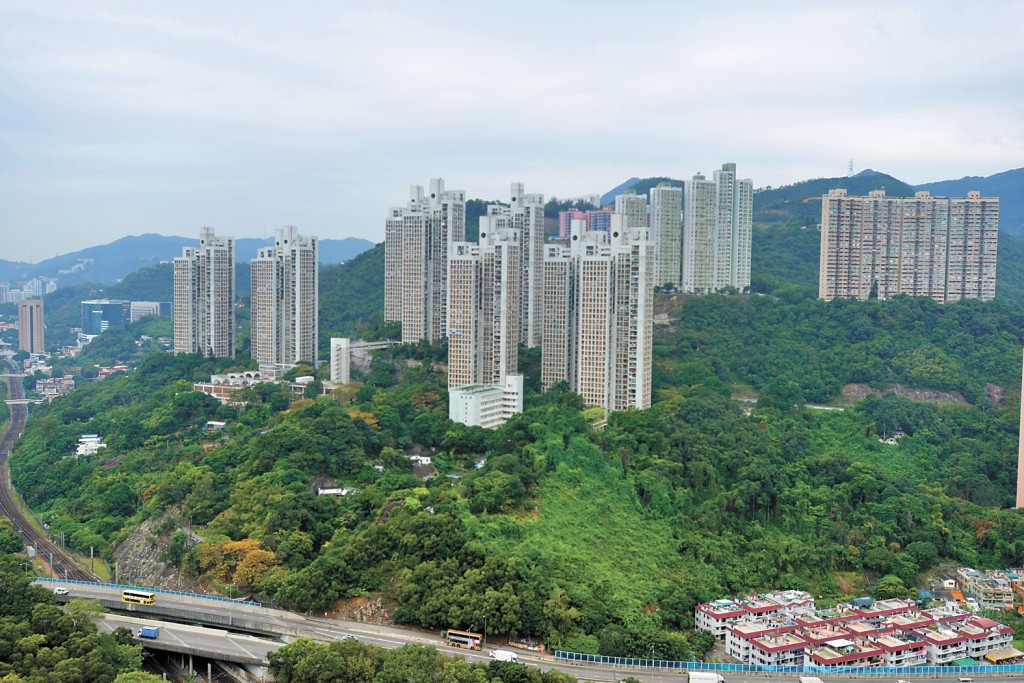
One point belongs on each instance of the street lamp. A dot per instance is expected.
(231, 591)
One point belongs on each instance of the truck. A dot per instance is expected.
(151, 632)
(706, 677)
(504, 656)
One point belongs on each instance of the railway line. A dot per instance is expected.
(61, 564)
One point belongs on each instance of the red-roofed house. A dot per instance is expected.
(900, 652)
(715, 617)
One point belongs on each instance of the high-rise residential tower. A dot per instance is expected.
(484, 303)
(204, 297)
(717, 232)
(973, 243)
(699, 233)
(30, 326)
(937, 247)
(417, 237)
(285, 279)
(735, 222)
(633, 209)
(667, 233)
(1020, 447)
(599, 293)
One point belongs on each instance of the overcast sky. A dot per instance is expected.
(120, 118)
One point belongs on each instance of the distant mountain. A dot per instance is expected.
(107, 263)
(1008, 186)
(609, 196)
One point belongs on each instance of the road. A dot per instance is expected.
(294, 625)
(63, 564)
(208, 642)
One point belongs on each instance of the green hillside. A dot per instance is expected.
(801, 202)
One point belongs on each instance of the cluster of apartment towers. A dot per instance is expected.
(585, 298)
(284, 299)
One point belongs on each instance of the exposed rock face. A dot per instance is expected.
(858, 392)
(995, 393)
(138, 557)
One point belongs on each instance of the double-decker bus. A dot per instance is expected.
(138, 597)
(466, 639)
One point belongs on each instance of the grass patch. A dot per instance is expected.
(589, 531)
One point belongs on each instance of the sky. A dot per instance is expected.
(121, 118)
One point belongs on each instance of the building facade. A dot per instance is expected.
(30, 326)
(599, 292)
(417, 237)
(525, 216)
(486, 405)
(285, 279)
(633, 209)
(484, 304)
(204, 297)
(667, 233)
(717, 232)
(99, 315)
(882, 246)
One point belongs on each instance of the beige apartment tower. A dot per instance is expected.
(484, 302)
(882, 246)
(30, 326)
(599, 292)
(1020, 447)
(417, 238)
(285, 280)
(667, 233)
(204, 297)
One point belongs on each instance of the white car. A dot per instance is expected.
(60, 590)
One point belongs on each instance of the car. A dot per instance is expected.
(348, 636)
(60, 590)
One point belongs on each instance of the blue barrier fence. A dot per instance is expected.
(151, 590)
(879, 671)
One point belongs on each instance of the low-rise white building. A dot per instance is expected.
(89, 444)
(486, 405)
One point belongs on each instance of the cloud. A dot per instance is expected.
(322, 113)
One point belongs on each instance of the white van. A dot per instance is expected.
(504, 656)
(965, 680)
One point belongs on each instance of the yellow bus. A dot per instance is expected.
(138, 597)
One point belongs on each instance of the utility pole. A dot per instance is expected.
(51, 565)
(92, 561)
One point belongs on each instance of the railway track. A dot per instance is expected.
(62, 565)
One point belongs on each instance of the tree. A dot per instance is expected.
(891, 586)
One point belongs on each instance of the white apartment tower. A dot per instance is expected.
(699, 231)
(417, 238)
(285, 279)
(937, 247)
(717, 232)
(485, 293)
(525, 215)
(204, 297)
(633, 209)
(667, 233)
(599, 293)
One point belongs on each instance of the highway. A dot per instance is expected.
(288, 625)
(62, 563)
(211, 643)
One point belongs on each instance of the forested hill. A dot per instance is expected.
(801, 202)
(1008, 186)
